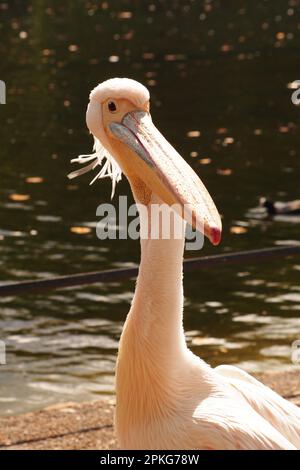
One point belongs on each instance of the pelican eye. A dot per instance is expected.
(112, 106)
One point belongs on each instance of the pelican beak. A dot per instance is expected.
(150, 156)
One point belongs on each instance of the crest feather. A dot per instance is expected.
(109, 169)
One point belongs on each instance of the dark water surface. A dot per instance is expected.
(220, 68)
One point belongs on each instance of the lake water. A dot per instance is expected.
(219, 68)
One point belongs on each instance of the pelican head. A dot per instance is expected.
(118, 116)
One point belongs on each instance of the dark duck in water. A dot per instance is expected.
(282, 208)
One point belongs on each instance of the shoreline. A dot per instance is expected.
(89, 425)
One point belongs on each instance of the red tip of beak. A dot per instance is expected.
(215, 235)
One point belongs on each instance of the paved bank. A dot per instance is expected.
(90, 425)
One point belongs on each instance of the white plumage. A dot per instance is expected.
(167, 398)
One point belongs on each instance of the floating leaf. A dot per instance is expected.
(34, 179)
(226, 48)
(173, 57)
(151, 74)
(222, 130)
(47, 52)
(208, 7)
(205, 161)
(238, 230)
(148, 55)
(19, 197)
(80, 230)
(224, 171)
(228, 141)
(241, 56)
(113, 59)
(193, 134)
(129, 35)
(125, 15)
(283, 129)
(73, 48)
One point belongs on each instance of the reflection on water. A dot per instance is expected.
(220, 78)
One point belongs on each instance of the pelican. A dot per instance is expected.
(166, 397)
